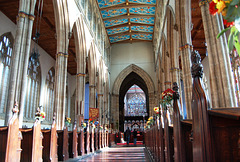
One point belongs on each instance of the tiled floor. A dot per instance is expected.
(118, 153)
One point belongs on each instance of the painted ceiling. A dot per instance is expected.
(128, 20)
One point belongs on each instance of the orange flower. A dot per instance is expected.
(224, 12)
(220, 6)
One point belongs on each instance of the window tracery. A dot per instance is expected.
(33, 87)
(6, 46)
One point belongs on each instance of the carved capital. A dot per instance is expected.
(203, 2)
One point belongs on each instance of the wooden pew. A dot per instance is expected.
(50, 143)
(99, 139)
(225, 133)
(32, 143)
(87, 140)
(11, 137)
(72, 140)
(63, 144)
(96, 139)
(81, 150)
(187, 149)
(91, 133)
(167, 137)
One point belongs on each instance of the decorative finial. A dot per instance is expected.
(197, 68)
(15, 108)
(176, 95)
(54, 116)
(38, 112)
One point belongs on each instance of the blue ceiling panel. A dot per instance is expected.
(119, 38)
(108, 3)
(109, 23)
(142, 28)
(142, 36)
(113, 13)
(117, 30)
(143, 10)
(143, 1)
(149, 20)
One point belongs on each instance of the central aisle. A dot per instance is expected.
(118, 153)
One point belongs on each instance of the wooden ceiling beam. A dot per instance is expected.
(127, 24)
(128, 17)
(129, 33)
(121, 6)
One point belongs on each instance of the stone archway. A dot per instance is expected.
(146, 79)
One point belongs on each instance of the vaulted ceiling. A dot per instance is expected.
(128, 21)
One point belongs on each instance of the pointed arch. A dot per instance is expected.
(133, 68)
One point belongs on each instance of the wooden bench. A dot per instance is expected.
(87, 141)
(91, 139)
(50, 144)
(225, 133)
(63, 144)
(96, 139)
(73, 142)
(81, 150)
(11, 137)
(32, 143)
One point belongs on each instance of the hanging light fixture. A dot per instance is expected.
(35, 53)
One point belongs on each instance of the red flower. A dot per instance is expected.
(212, 8)
(225, 22)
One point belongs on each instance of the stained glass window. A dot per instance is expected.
(135, 102)
(6, 45)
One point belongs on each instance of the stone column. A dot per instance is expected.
(81, 52)
(20, 53)
(183, 17)
(80, 97)
(115, 110)
(63, 34)
(100, 107)
(221, 79)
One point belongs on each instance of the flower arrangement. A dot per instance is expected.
(231, 18)
(68, 121)
(90, 121)
(96, 123)
(167, 97)
(150, 122)
(40, 115)
(156, 110)
(83, 125)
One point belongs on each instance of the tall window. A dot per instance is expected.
(49, 101)
(33, 87)
(135, 102)
(6, 45)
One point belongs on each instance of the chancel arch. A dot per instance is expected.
(129, 76)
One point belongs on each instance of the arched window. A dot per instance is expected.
(49, 101)
(6, 46)
(33, 87)
(135, 102)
